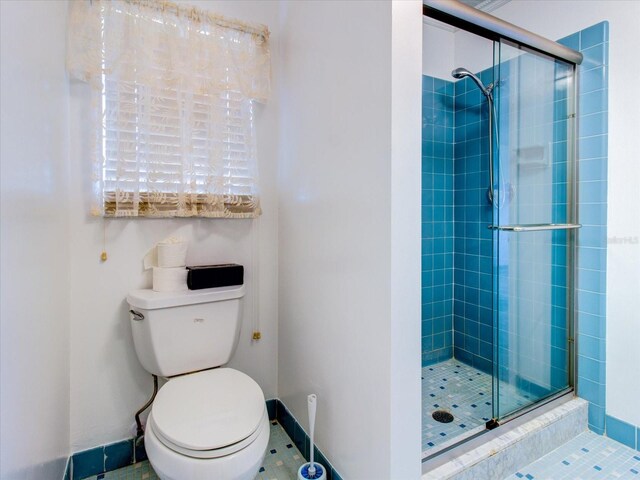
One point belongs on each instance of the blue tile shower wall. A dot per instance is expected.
(473, 244)
(437, 219)
(473, 251)
(593, 43)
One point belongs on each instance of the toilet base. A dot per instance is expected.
(241, 465)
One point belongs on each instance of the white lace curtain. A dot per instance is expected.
(174, 91)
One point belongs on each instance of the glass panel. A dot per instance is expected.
(457, 253)
(533, 171)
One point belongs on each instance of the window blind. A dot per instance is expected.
(175, 134)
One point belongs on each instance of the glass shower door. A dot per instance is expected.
(534, 226)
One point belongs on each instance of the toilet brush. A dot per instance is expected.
(311, 470)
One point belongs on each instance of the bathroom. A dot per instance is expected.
(333, 265)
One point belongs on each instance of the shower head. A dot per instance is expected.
(463, 72)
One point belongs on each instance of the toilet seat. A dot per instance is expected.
(208, 414)
(241, 465)
(213, 453)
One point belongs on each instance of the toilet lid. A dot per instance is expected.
(208, 410)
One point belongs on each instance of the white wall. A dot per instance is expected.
(406, 240)
(445, 48)
(472, 51)
(557, 19)
(339, 223)
(34, 332)
(438, 50)
(108, 384)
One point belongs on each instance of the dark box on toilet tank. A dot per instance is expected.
(211, 276)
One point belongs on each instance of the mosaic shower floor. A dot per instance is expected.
(463, 391)
(588, 456)
(280, 463)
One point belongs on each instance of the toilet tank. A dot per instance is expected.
(182, 332)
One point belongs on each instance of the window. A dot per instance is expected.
(174, 97)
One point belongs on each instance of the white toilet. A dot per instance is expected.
(205, 422)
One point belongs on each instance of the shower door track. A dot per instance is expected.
(468, 18)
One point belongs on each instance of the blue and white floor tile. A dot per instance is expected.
(283, 459)
(588, 456)
(280, 463)
(461, 390)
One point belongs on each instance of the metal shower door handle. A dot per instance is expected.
(536, 227)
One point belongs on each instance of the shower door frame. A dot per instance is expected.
(537, 45)
(571, 241)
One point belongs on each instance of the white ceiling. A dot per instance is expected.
(485, 5)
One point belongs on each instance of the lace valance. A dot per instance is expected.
(161, 44)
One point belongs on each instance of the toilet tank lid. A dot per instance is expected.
(149, 300)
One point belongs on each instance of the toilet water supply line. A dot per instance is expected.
(139, 427)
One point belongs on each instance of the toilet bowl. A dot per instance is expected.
(208, 425)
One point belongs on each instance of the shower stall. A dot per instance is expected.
(499, 223)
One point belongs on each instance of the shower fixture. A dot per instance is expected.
(462, 72)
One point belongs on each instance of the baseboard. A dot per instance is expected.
(104, 458)
(300, 438)
(113, 456)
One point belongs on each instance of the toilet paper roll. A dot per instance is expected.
(169, 279)
(172, 254)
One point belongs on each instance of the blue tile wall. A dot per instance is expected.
(271, 409)
(102, 459)
(118, 455)
(473, 249)
(593, 42)
(473, 245)
(622, 432)
(437, 219)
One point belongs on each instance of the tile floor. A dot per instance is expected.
(588, 456)
(280, 463)
(463, 391)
